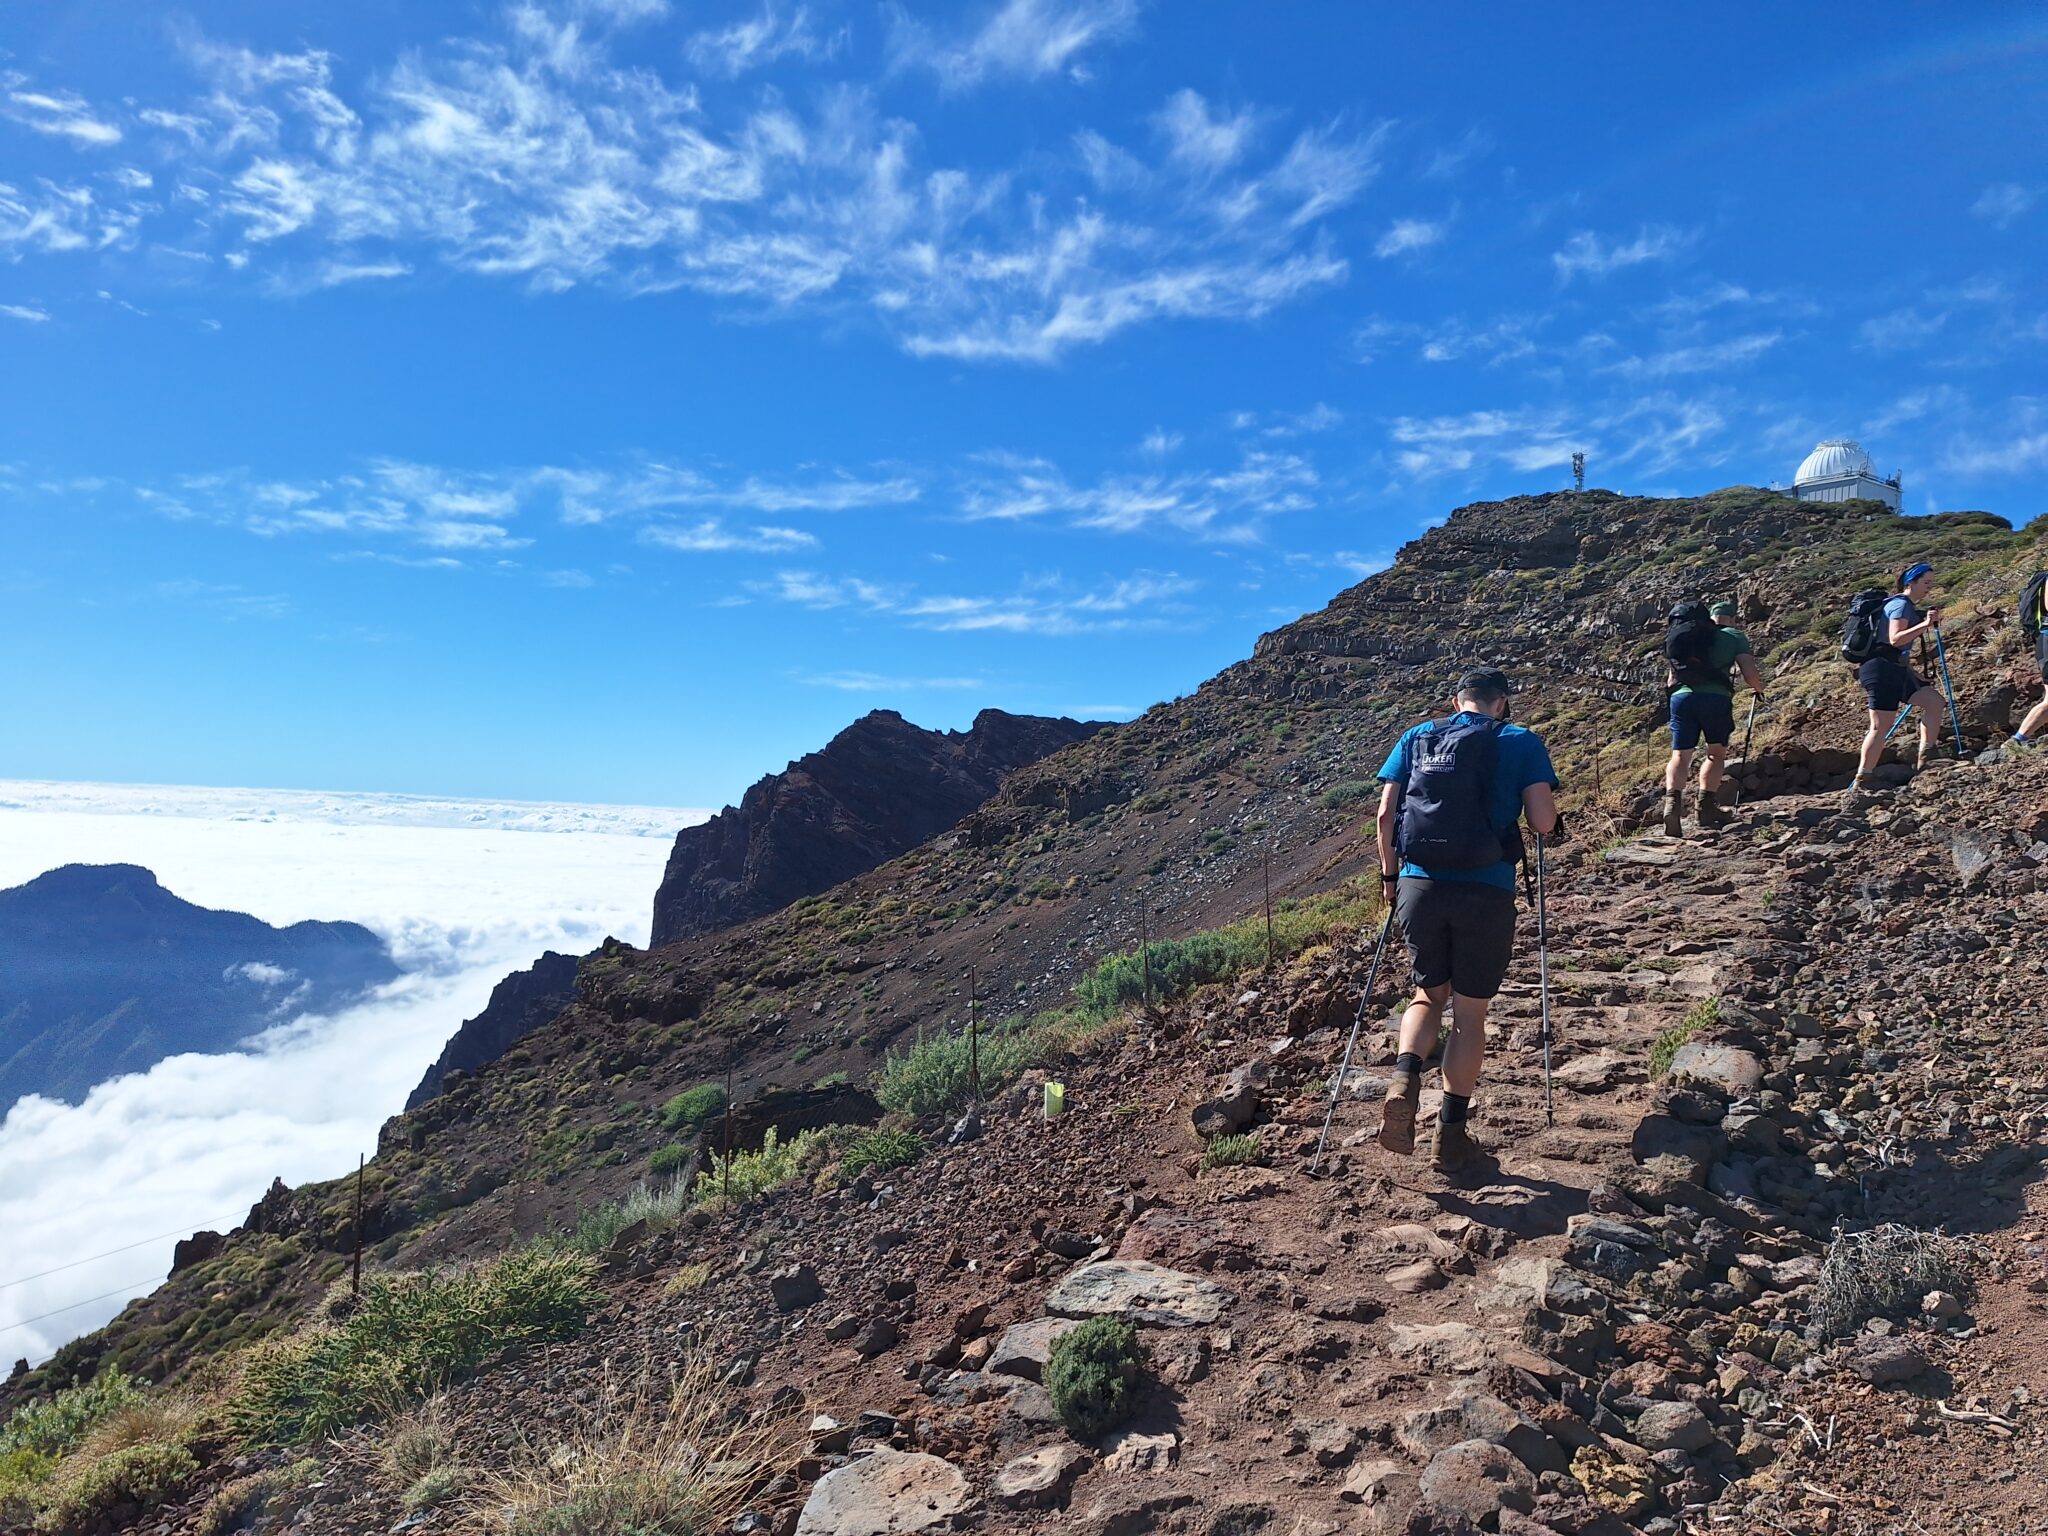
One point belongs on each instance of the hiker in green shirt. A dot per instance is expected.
(1703, 705)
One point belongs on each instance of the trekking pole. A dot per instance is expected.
(1955, 724)
(1897, 720)
(1543, 973)
(1748, 732)
(1372, 978)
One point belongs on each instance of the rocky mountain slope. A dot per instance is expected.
(103, 971)
(877, 789)
(519, 1005)
(1611, 1327)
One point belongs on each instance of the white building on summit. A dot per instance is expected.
(1839, 470)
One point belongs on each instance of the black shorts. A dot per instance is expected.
(1698, 712)
(2041, 654)
(1458, 931)
(1888, 684)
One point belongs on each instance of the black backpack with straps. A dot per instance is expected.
(1865, 633)
(1446, 819)
(1688, 643)
(2034, 615)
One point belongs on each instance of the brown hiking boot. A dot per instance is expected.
(1453, 1147)
(1674, 815)
(1397, 1114)
(1711, 812)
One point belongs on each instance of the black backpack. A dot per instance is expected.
(1864, 631)
(2032, 619)
(1447, 803)
(1689, 642)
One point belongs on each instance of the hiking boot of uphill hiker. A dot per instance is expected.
(1674, 815)
(1453, 1147)
(1861, 788)
(1711, 813)
(1397, 1114)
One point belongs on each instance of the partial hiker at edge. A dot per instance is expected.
(1701, 648)
(2034, 625)
(1452, 794)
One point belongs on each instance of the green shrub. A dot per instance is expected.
(932, 1077)
(407, 1337)
(1337, 796)
(1093, 1372)
(752, 1173)
(1702, 1015)
(147, 1475)
(434, 1488)
(658, 1207)
(240, 1504)
(878, 1151)
(690, 1109)
(668, 1159)
(58, 1422)
(1232, 1152)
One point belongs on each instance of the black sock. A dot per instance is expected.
(1408, 1062)
(1455, 1107)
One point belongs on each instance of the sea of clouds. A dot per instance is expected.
(463, 891)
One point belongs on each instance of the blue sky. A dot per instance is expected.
(608, 400)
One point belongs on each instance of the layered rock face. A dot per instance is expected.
(519, 1004)
(879, 788)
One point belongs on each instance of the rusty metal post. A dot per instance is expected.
(727, 1164)
(1266, 875)
(355, 1283)
(973, 1041)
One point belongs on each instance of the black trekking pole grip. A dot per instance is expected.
(1372, 978)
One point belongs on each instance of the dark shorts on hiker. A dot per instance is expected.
(2041, 653)
(1458, 931)
(1695, 713)
(1888, 684)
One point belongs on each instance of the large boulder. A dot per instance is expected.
(882, 1494)
(1477, 1479)
(1142, 1292)
(1736, 1072)
(1024, 1348)
(1038, 1479)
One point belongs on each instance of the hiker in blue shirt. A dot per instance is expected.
(1452, 794)
(1888, 682)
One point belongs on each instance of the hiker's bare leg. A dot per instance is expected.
(1467, 1049)
(2037, 717)
(1423, 1021)
(1711, 767)
(1675, 770)
(1929, 702)
(1873, 740)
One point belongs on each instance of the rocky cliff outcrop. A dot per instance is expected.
(519, 1004)
(879, 787)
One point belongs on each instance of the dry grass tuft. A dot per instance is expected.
(1883, 1273)
(684, 1462)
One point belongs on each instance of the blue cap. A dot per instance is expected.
(1914, 572)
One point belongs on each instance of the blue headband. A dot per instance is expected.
(1915, 572)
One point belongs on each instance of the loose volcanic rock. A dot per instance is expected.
(1673, 1427)
(1882, 1359)
(795, 1288)
(1145, 1293)
(1024, 1348)
(1477, 1479)
(883, 1493)
(1038, 1479)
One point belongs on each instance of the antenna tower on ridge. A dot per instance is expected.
(1578, 471)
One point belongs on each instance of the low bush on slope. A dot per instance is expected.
(406, 1338)
(91, 1452)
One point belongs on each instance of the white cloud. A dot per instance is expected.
(1045, 606)
(2004, 203)
(1585, 254)
(1028, 39)
(1224, 505)
(463, 891)
(1199, 137)
(1158, 443)
(28, 312)
(546, 154)
(1902, 328)
(1408, 235)
(1705, 358)
(874, 682)
(712, 536)
(261, 972)
(60, 114)
(2022, 448)
(759, 41)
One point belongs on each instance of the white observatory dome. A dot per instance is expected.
(1836, 456)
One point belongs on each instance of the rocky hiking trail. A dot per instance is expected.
(1603, 1327)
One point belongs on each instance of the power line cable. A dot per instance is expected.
(140, 1242)
(123, 1290)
